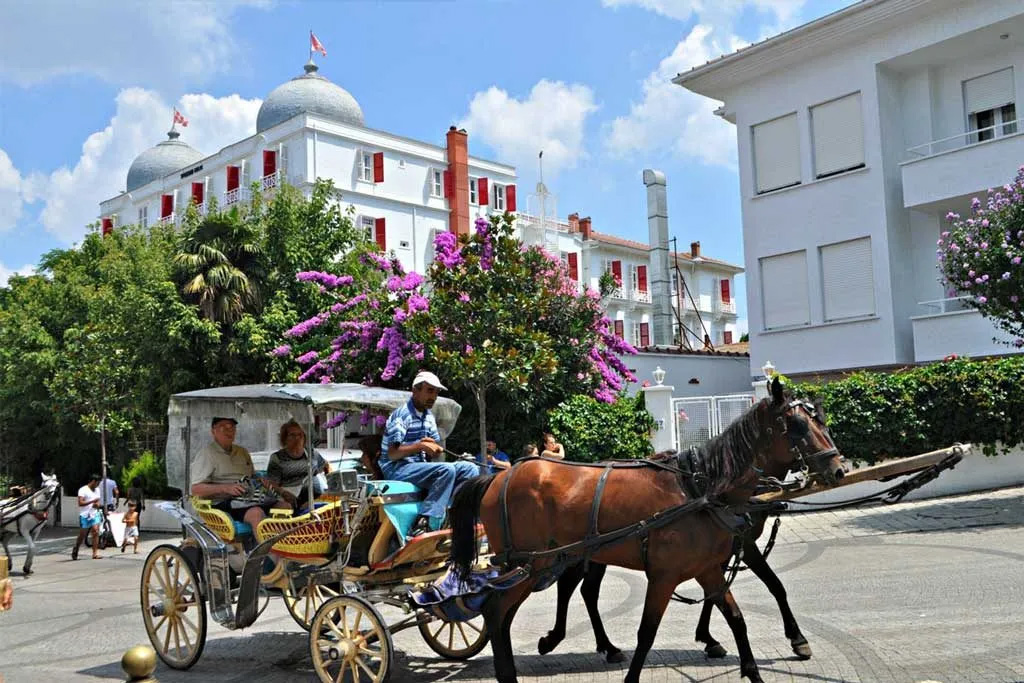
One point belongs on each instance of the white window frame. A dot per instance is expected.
(636, 334)
(771, 146)
(365, 169)
(990, 95)
(847, 294)
(436, 183)
(369, 225)
(837, 135)
(499, 197)
(794, 284)
(144, 216)
(634, 278)
(474, 199)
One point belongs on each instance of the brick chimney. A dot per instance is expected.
(458, 171)
(695, 249)
(585, 227)
(574, 222)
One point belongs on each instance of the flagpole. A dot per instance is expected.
(311, 45)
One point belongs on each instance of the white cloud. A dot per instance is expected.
(6, 273)
(165, 44)
(551, 118)
(71, 195)
(10, 193)
(671, 118)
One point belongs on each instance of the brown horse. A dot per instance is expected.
(591, 575)
(550, 503)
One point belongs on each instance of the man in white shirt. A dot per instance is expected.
(218, 470)
(109, 494)
(89, 516)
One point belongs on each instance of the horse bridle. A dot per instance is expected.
(799, 443)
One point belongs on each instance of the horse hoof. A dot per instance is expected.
(715, 651)
(615, 657)
(801, 648)
(546, 644)
(26, 571)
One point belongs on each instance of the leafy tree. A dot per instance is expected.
(501, 319)
(980, 256)
(593, 430)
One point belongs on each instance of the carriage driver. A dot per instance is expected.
(410, 439)
(218, 470)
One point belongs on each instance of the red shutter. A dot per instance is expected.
(233, 174)
(725, 292)
(166, 205)
(482, 191)
(378, 167)
(379, 233)
(728, 337)
(617, 272)
(108, 226)
(641, 279)
(510, 198)
(645, 334)
(619, 330)
(574, 266)
(269, 162)
(197, 193)
(449, 186)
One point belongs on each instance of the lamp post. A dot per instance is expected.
(659, 375)
(768, 369)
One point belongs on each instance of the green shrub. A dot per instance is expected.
(874, 416)
(591, 430)
(151, 468)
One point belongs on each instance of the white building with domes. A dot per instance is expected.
(405, 191)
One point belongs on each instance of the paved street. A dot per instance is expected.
(927, 591)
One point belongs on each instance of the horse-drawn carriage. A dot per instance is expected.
(24, 515)
(332, 564)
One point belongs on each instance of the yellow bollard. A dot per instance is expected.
(5, 587)
(139, 663)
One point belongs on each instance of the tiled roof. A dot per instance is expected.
(736, 350)
(618, 241)
(687, 256)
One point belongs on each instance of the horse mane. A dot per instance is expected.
(729, 455)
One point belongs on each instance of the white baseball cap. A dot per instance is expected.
(428, 377)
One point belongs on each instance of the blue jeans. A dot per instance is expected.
(439, 479)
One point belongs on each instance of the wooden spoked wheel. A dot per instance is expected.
(349, 642)
(455, 639)
(173, 607)
(303, 601)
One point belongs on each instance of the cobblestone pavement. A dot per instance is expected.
(878, 599)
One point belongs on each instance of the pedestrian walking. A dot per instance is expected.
(89, 516)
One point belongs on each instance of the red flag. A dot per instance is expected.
(315, 45)
(178, 118)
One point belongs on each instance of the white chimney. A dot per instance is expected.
(657, 227)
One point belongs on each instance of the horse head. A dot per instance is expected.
(46, 497)
(798, 439)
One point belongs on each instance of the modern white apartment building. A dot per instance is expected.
(856, 134)
(404, 192)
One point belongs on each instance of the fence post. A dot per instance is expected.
(658, 400)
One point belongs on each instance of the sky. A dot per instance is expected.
(86, 85)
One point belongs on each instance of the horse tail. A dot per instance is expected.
(463, 515)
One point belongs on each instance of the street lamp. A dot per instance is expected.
(659, 375)
(768, 369)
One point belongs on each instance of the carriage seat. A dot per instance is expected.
(220, 522)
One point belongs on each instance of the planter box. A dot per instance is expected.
(976, 472)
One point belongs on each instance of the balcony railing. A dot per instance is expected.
(239, 194)
(642, 297)
(961, 140)
(270, 181)
(950, 305)
(167, 219)
(619, 293)
(727, 307)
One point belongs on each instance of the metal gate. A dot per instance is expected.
(701, 418)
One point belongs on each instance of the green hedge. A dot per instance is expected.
(874, 416)
(591, 430)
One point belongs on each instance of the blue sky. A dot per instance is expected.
(86, 86)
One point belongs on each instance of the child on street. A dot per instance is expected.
(131, 527)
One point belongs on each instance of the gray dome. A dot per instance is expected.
(166, 157)
(309, 93)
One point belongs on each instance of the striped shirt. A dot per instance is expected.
(404, 426)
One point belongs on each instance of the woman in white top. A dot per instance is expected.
(552, 449)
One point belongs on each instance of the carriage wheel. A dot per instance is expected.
(455, 639)
(173, 608)
(349, 642)
(303, 602)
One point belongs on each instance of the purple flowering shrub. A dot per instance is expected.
(980, 256)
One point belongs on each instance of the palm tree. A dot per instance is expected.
(222, 267)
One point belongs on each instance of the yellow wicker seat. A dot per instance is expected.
(218, 521)
(310, 543)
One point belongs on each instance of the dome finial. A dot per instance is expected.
(173, 134)
(310, 66)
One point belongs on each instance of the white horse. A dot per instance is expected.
(25, 517)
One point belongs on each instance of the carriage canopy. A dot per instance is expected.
(261, 409)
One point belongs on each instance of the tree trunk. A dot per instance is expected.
(481, 404)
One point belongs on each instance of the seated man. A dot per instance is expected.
(410, 439)
(218, 470)
(494, 460)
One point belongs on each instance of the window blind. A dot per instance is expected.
(776, 153)
(989, 92)
(838, 132)
(848, 279)
(784, 290)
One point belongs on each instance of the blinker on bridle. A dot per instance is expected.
(797, 442)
